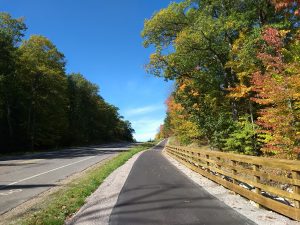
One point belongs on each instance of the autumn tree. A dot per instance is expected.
(278, 90)
(213, 52)
(193, 41)
(179, 124)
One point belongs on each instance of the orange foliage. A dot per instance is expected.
(277, 89)
(287, 4)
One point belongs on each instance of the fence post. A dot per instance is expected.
(199, 160)
(218, 165)
(192, 158)
(180, 154)
(207, 163)
(257, 180)
(296, 176)
(186, 158)
(234, 172)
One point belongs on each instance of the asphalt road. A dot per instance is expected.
(155, 192)
(22, 178)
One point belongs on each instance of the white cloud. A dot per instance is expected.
(145, 136)
(145, 128)
(143, 110)
(145, 120)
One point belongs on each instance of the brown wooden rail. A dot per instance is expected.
(265, 176)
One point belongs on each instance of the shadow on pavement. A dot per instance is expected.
(149, 204)
(25, 186)
(71, 153)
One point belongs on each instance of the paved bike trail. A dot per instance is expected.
(156, 192)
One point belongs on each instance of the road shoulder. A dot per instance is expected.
(99, 205)
(38, 201)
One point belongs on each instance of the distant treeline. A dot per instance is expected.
(43, 107)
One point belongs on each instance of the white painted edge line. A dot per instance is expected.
(49, 171)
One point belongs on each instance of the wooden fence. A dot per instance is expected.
(272, 183)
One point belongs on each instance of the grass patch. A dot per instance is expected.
(67, 201)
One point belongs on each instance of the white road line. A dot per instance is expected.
(10, 192)
(49, 171)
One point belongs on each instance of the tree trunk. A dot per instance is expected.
(32, 111)
(251, 113)
(9, 122)
(234, 110)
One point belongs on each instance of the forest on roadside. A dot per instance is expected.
(41, 106)
(236, 69)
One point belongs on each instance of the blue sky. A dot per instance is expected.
(101, 39)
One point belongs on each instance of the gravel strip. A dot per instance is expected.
(235, 201)
(99, 205)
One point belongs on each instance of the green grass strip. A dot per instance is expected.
(65, 202)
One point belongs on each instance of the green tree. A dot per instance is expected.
(41, 73)
(41, 107)
(11, 33)
(91, 119)
(84, 101)
(243, 138)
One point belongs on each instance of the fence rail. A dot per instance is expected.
(271, 183)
